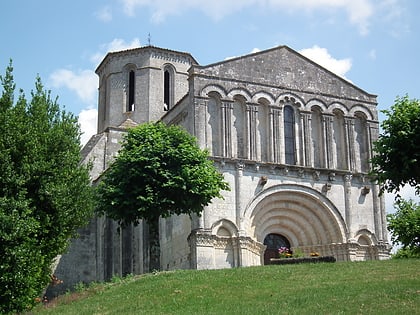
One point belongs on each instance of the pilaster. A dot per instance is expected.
(307, 154)
(349, 145)
(226, 112)
(347, 204)
(327, 125)
(276, 133)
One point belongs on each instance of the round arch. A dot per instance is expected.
(365, 237)
(213, 88)
(268, 97)
(291, 99)
(361, 109)
(301, 214)
(333, 107)
(234, 93)
(316, 103)
(226, 225)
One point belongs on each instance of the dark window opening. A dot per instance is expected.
(131, 86)
(166, 90)
(289, 135)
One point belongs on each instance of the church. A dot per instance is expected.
(292, 139)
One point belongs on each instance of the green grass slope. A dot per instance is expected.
(374, 287)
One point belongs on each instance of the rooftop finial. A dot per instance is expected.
(149, 39)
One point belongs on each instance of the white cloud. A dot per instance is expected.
(83, 82)
(88, 119)
(116, 44)
(359, 11)
(104, 14)
(323, 58)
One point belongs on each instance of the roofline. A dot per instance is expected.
(293, 51)
(148, 47)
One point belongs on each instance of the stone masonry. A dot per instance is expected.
(292, 139)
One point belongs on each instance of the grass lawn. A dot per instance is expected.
(373, 287)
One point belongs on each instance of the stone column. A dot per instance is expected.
(327, 122)
(383, 217)
(307, 159)
(372, 133)
(238, 193)
(251, 131)
(200, 114)
(226, 113)
(276, 132)
(247, 132)
(347, 204)
(349, 145)
(271, 142)
(378, 214)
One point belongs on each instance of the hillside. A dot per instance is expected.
(374, 287)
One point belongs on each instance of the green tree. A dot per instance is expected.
(397, 151)
(404, 225)
(45, 194)
(160, 171)
(396, 163)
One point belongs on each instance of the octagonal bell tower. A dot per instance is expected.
(140, 84)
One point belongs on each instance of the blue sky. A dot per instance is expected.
(372, 43)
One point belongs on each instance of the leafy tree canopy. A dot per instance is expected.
(160, 171)
(397, 159)
(404, 226)
(45, 194)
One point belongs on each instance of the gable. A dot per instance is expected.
(282, 67)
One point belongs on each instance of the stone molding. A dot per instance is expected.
(203, 238)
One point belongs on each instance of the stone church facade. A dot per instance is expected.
(292, 139)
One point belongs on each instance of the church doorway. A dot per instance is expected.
(273, 243)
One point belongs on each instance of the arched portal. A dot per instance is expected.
(300, 214)
(273, 243)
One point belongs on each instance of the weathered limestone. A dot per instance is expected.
(292, 139)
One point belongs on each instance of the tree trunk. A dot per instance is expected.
(154, 245)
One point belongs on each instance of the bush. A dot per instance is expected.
(45, 194)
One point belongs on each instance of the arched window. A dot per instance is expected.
(238, 128)
(340, 141)
(289, 135)
(213, 128)
(168, 88)
(361, 143)
(317, 143)
(262, 128)
(131, 91)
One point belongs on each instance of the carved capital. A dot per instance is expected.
(348, 178)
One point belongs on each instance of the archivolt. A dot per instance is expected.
(303, 215)
(242, 92)
(315, 102)
(362, 109)
(256, 98)
(213, 88)
(337, 106)
(291, 98)
(226, 224)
